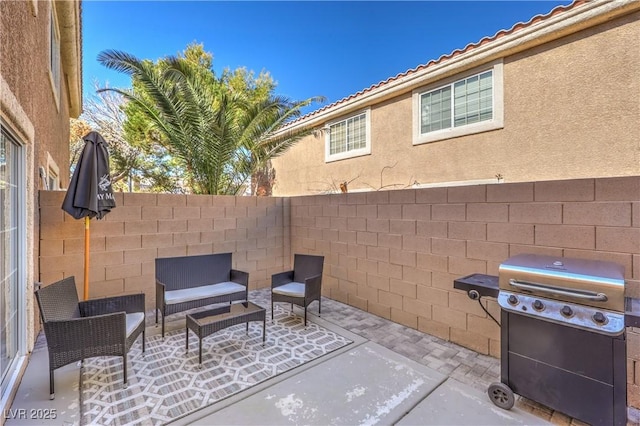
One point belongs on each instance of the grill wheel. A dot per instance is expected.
(501, 395)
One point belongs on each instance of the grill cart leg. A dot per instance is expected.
(501, 395)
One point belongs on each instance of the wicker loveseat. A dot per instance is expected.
(98, 327)
(188, 282)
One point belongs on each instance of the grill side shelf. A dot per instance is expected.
(632, 312)
(484, 285)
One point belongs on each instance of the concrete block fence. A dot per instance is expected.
(125, 244)
(396, 253)
(392, 253)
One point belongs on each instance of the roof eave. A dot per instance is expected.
(552, 27)
(71, 51)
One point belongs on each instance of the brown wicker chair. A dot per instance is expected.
(78, 330)
(301, 286)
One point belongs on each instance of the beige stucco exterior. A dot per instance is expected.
(571, 85)
(36, 114)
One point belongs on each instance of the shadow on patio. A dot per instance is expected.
(424, 380)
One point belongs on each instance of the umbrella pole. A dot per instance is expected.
(86, 258)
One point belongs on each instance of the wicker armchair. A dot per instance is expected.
(301, 286)
(78, 330)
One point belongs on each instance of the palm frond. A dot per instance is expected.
(220, 135)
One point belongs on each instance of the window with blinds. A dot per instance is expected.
(461, 105)
(348, 138)
(463, 102)
(435, 110)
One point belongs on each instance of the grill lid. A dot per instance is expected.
(587, 282)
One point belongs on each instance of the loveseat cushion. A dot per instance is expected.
(202, 292)
(292, 289)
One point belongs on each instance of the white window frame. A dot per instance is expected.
(354, 152)
(497, 122)
(18, 362)
(53, 174)
(55, 65)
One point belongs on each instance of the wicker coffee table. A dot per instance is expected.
(208, 322)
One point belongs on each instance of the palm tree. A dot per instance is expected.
(222, 136)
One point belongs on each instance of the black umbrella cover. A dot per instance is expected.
(90, 193)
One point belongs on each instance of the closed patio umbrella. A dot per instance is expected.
(90, 194)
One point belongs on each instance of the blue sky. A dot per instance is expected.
(326, 48)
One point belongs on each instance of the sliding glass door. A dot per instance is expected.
(11, 214)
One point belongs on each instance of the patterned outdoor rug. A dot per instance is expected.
(166, 383)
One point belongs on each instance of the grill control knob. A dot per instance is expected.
(513, 300)
(566, 311)
(599, 318)
(538, 305)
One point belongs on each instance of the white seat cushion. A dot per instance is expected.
(188, 294)
(133, 321)
(292, 289)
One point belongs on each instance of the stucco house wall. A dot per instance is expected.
(571, 110)
(36, 114)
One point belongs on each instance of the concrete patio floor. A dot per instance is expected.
(456, 380)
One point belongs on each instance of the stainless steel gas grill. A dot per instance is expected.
(563, 337)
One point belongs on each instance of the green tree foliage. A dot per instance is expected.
(158, 171)
(213, 133)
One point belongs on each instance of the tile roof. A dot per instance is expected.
(516, 27)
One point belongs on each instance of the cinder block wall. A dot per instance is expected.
(125, 244)
(392, 253)
(396, 253)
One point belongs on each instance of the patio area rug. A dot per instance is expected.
(165, 383)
